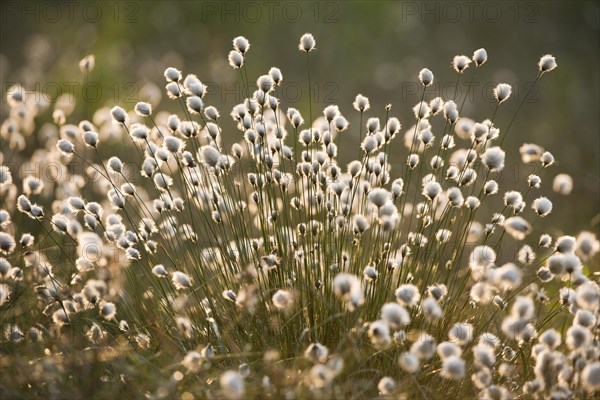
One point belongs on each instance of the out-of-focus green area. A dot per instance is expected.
(371, 47)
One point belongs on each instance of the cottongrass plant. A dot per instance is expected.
(269, 270)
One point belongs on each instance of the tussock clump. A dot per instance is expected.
(177, 267)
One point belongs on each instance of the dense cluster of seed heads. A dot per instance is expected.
(269, 269)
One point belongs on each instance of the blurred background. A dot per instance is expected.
(371, 47)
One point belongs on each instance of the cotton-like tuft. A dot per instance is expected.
(66, 148)
(409, 362)
(426, 77)
(461, 333)
(232, 385)
(450, 111)
(118, 115)
(431, 190)
(395, 315)
(172, 74)
(143, 109)
(386, 385)
(542, 206)
(90, 138)
(562, 184)
(460, 63)
(502, 92)
(453, 368)
(547, 159)
(283, 300)
(316, 353)
(547, 63)
(181, 280)
(408, 295)
(236, 59)
(361, 103)
(307, 43)
(479, 57)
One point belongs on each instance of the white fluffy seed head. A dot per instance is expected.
(547, 63)
(542, 206)
(588, 296)
(143, 109)
(426, 77)
(424, 346)
(517, 227)
(211, 113)
(181, 280)
(587, 245)
(87, 63)
(369, 144)
(118, 115)
(370, 273)
(265, 83)
(360, 224)
(455, 197)
(502, 92)
(235, 58)
(386, 385)
(347, 287)
(578, 337)
(307, 43)
(436, 105)
(409, 362)
(5, 176)
(460, 63)
(90, 138)
(395, 315)
(173, 144)
(562, 184)
(565, 244)
(241, 44)
(448, 349)
(461, 333)
(65, 147)
(472, 203)
(172, 74)
(361, 103)
(7, 243)
(493, 158)
(453, 368)
(210, 155)
(547, 159)
(534, 181)
(550, 338)
(283, 300)
(316, 353)
(431, 309)
(160, 271)
(232, 384)
(408, 295)
(412, 161)
(431, 190)
(513, 199)
(421, 110)
(480, 57)
(545, 240)
(379, 333)
(590, 377)
(194, 104)
(340, 123)
(523, 308)
(450, 111)
(276, 75)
